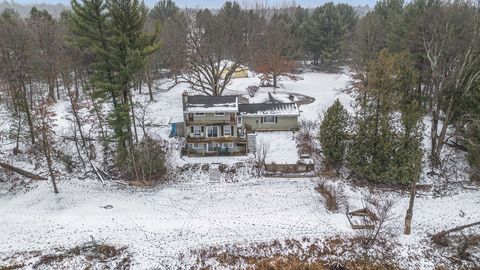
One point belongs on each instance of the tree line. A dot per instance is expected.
(408, 61)
(99, 52)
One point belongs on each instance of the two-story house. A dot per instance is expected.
(218, 125)
(211, 125)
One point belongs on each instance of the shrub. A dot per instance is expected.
(148, 161)
(333, 197)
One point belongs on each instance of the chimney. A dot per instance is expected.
(184, 98)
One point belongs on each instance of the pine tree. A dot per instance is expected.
(408, 157)
(163, 10)
(386, 146)
(326, 31)
(112, 33)
(333, 134)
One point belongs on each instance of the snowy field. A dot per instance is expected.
(161, 225)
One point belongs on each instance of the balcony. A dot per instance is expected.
(191, 138)
(217, 151)
(210, 122)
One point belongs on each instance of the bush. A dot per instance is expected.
(148, 162)
(333, 134)
(333, 197)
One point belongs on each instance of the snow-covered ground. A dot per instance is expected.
(282, 147)
(324, 87)
(159, 225)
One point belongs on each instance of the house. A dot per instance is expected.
(240, 72)
(268, 116)
(219, 125)
(210, 124)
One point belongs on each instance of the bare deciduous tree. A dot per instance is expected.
(452, 66)
(262, 150)
(382, 211)
(44, 117)
(215, 48)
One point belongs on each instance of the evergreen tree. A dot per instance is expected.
(386, 146)
(326, 31)
(113, 33)
(163, 10)
(409, 150)
(333, 134)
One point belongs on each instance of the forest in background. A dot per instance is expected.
(408, 61)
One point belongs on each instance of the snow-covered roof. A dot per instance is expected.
(204, 104)
(262, 109)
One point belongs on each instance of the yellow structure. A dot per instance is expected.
(240, 72)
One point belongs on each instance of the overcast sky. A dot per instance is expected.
(218, 3)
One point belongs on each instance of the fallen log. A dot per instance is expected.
(30, 175)
(444, 233)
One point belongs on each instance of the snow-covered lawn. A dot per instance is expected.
(157, 225)
(164, 222)
(282, 147)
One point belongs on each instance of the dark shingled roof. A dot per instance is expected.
(268, 108)
(211, 101)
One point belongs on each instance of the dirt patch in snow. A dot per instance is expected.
(332, 253)
(87, 256)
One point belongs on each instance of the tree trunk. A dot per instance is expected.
(433, 137)
(52, 174)
(456, 229)
(51, 89)
(48, 154)
(58, 88)
(21, 171)
(149, 84)
(443, 131)
(75, 78)
(29, 115)
(274, 76)
(409, 216)
(133, 118)
(17, 139)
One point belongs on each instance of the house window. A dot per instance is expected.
(269, 119)
(228, 145)
(227, 131)
(199, 114)
(197, 145)
(212, 131)
(219, 114)
(239, 120)
(211, 147)
(197, 131)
